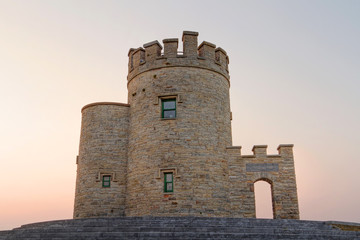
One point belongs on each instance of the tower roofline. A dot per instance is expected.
(105, 103)
(151, 56)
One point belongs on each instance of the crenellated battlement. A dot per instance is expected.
(153, 56)
(260, 151)
(278, 170)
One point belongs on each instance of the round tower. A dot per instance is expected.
(179, 129)
(101, 164)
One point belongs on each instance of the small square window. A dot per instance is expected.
(168, 182)
(106, 179)
(168, 108)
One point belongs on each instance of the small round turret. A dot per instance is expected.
(101, 164)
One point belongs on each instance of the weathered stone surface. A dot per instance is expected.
(262, 167)
(136, 146)
(245, 170)
(103, 151)
(184, 228)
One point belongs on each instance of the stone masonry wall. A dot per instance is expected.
(103, 151)
(277, 170)
(192, 145)
(135, 146)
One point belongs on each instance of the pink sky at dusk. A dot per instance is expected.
(295, 79)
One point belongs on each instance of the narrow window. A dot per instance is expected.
(106, 181)
(168, 182)
(168, 108)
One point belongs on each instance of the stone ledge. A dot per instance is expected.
(167, 40)
(152, 43)
(285, 145)
(105, 103)
(132, 75)
(208, 44)
(259, 146)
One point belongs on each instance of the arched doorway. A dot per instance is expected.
(263, 199)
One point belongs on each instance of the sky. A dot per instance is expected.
(295, 79)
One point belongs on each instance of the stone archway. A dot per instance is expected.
(264, 198)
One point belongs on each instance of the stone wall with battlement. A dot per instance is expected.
(135, 145)
(192, 145)
(154, 56)
(278, 170)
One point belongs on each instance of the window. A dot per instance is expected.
(168, 108)
(106, 180)
(168, 182)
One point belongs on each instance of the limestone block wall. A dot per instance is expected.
(134, 145)
(102, 151)
(277, 170)
(192, 145)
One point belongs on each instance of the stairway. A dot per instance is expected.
(182, 228)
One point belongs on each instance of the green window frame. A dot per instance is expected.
(106, 180)
(168, 182)
(168, 108)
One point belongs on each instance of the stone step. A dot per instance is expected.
(149, 223)
(179, 228)
(162, 234)
(175, 235)
(215, 229)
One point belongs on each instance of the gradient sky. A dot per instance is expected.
(295, 78)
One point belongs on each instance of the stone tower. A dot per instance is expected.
(191, 143)
(168, 152)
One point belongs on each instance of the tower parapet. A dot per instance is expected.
(205, 56)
